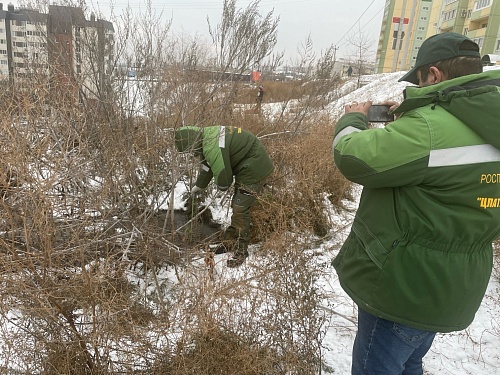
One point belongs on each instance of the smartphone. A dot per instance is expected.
(379, 113)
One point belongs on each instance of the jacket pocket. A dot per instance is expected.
(371, 243)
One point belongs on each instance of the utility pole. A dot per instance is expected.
(398, 37)
(404, 64)
(335, 48)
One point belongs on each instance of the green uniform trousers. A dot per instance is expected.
(243, 199)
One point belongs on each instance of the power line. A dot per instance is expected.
(354, 24)
(210, 5)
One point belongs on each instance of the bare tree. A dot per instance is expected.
(362, 47)
(326, 63)
(243, 36)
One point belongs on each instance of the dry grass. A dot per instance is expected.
(94, 279)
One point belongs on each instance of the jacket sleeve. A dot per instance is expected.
(396, 155)
(224, 177)
(204, 176)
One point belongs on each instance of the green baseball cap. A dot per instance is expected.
(441, 47)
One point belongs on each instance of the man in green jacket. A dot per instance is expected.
(419, 255)
(229, 153)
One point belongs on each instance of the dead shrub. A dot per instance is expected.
(217, 352)
(85, 253)
(94, 278)
(65, 358)
(496, 259)
(305, 176)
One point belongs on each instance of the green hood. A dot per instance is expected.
(473, 99)
(188, 138)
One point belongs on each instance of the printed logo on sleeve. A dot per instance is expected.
(490, 178)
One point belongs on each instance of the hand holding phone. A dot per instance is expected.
(379, 113)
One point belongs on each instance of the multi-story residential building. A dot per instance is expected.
(419, 19)
(22, 45)
(62, 46)
(404, 28)
(80, 50)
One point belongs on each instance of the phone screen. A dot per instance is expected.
(379, 113)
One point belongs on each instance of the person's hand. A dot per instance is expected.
(358, 107)
(392, 106)
(192, 194)
(195, 190)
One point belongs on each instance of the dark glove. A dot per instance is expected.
(196, 190)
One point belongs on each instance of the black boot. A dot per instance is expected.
(223, 248)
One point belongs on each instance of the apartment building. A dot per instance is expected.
(22, 42)
(407, 23)
(61, 45)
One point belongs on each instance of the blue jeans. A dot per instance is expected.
(382, 347)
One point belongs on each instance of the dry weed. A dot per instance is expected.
(95, 280)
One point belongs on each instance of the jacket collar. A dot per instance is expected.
(416, 97)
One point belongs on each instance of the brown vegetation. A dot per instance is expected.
(95, 277)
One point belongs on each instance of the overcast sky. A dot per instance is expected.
(328, 22)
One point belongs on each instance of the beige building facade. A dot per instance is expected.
(61, 46)
(407, 23)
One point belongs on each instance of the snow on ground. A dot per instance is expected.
(379, 88)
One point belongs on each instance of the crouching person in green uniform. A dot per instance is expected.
(229, 153)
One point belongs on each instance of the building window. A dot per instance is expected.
(498, 45)
(480, 4)
(450, 15)
(423, 18)
(479, 41)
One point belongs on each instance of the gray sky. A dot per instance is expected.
(328, 22)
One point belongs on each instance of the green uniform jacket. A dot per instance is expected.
(419, 252)
(225, 151)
